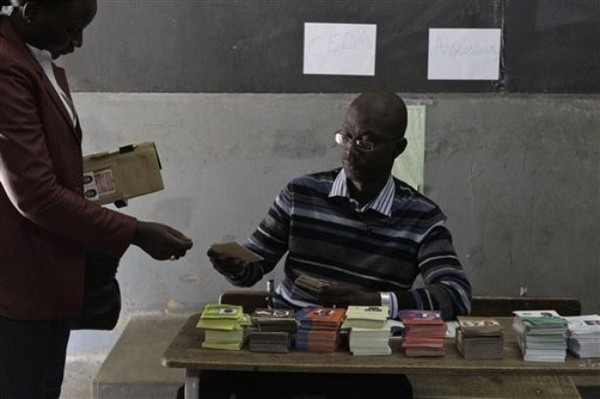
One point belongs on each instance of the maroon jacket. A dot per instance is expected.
(45, 223)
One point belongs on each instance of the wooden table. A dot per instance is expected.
(186, 352)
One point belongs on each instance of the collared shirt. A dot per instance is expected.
(382, 203)
(45, 59)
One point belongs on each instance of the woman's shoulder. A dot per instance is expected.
(13, 53)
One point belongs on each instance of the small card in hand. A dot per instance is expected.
(235, 250)
(313, 284)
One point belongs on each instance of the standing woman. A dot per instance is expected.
(46, 225)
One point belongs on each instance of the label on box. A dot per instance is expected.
(131, 171)
(98, 183)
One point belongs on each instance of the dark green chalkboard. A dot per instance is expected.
(257, 45)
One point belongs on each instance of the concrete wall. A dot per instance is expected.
(518, 177)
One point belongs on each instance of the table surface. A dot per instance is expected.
(185, 351)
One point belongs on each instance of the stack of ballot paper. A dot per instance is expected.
(479, 338)
(369, 331)
(272, 330)
(541, 335)
(313, 284)
(319, 328)
(225, 326)
(365, 316)
(584, 335)
(424, 333)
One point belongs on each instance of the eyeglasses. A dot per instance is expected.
(360, 144)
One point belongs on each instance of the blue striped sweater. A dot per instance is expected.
(382, 246)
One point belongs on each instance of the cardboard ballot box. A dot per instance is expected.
(128, 172)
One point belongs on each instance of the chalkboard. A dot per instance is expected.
(552, 46)
(257, 45)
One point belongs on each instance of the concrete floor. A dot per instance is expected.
(77, 383)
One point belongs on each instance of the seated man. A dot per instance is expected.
(367, 233)
(358, 227)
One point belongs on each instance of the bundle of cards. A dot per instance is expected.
(479, 338)
(371, 341)
(365, 316)
(319, 328)
(272, 330)
(312, 284)
(424, 334)
(584, 335)
(269, 341)
(541, 335)
(224, 326)
(220, 317)
(234, 250)
(264, 319)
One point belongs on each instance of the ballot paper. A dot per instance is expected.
(235, 250)
(313, 284)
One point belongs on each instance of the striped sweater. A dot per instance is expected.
(382, 246)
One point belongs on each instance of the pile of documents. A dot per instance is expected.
(424, 333)
(272, 330)
(225, 326)
(319, 328)
(584, 335)
(479, 338)
(541, 335)
(369, 330)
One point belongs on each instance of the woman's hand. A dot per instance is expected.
(161, 241)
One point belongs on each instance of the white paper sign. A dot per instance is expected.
(464, 54)
(339, 49)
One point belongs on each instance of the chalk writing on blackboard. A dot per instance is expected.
(339, 49)
(463, 54)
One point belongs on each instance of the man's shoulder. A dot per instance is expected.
(407, 196)
(316, 179)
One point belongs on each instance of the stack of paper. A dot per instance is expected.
(541, 335)
(319, 328)
(479, 338)
(224, 326)
(272, 330)
(274, 320)
(584, 335)
(366, 317)
(369, 331)
(424, 333)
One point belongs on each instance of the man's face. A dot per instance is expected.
(362, 166)
(60, 29)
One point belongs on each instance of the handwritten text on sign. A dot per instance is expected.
(462, 54)
(339, 49)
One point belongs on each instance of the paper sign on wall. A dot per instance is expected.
(339, 49)
(464, 54)
(409, 166)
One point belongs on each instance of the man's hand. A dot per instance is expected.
(227, 265)
(161, 241)
(343, 294)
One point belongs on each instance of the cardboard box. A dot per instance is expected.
(128, 172)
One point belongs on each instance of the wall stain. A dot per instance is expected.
(297, 144)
